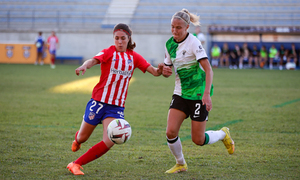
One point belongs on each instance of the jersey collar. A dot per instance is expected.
(182, 40)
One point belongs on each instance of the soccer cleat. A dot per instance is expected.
(228, 142)
(177, 168)
(75, 146)
(75, 168)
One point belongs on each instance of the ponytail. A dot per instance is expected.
(187, 17)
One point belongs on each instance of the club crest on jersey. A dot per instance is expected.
(92, 115)
(129, 61)
(183, 53)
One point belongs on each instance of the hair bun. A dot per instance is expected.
(185, 10)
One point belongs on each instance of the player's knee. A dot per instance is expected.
(81, 138)
(198, 141)
(171, 135)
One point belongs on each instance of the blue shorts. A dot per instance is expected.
(40, 50)
(97, 111)
(53, 52)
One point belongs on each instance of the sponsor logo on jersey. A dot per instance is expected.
(199, 50)
(120, 72)
(100, 53)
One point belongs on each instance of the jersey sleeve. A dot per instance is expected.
(198, 50)
(140, 62)
(167, 60)
(101, 56)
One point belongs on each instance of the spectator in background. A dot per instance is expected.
(245, 55)
(200, 35)
(53, 45)
(254, 55)
(273, 53)
(235, 56)
(283, 55)
(215, 55)
(263, 58)
(292, 56)
(40, 47)
(225, 55)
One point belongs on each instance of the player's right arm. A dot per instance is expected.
(86, 65)
(167, 71)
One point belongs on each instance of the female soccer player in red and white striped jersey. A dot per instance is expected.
(108, 98)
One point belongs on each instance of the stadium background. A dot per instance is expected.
(84, 27)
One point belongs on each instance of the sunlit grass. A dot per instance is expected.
(37, 126)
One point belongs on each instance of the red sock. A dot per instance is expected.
(52, 60)
(93, 153)
(76, 137)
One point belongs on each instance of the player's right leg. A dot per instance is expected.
(82, 135)
(175, 119)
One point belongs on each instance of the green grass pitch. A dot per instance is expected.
(261, 108)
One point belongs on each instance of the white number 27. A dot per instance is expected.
(94, 103)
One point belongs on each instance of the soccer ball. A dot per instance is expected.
(119, 131)
(38, 44)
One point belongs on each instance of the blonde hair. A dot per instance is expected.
(187, 17)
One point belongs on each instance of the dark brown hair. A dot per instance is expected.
(125, 28)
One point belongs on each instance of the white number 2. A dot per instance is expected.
(94, 103)
(198, 106)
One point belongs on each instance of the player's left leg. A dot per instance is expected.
(202, 137)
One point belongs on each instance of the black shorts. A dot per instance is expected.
(192, 108)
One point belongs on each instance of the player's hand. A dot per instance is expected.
(81, 68)
(206, 100)
(160, 68)
(167, 71)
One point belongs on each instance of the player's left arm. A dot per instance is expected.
(206, 99)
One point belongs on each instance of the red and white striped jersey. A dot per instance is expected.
(116, 71)
(52, 42)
